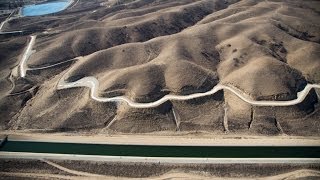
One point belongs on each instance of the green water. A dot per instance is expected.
(164, 151)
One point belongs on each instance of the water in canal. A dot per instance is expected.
(45, 8)
(164, 151)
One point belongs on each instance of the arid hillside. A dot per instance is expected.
(144, 50)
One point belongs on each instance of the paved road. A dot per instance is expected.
(19, 155)
(25, 57)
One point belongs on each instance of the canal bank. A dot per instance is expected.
(181, 139)
(3, 140)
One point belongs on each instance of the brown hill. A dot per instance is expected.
(144, 50)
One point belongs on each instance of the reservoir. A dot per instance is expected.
(164, 151)
(45, 8)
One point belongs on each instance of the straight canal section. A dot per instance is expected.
(162, 151)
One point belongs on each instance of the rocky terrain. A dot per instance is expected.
(146, 49)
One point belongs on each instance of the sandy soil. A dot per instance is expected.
(101, 170)
(174, 176)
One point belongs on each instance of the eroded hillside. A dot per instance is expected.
(147, 49)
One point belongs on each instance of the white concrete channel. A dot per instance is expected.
(93, 84)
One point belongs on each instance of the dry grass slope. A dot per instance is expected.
(147, 49)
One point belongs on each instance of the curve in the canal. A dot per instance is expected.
(93, 84)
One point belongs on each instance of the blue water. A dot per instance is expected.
(45, 8)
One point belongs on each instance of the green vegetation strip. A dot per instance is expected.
(164, 151)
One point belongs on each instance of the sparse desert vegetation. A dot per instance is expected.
(144, 50)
